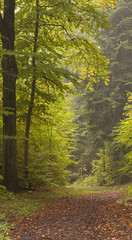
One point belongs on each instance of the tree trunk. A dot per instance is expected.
(29, 114)
(9, 69)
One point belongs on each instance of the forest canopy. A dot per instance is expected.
(47, 49)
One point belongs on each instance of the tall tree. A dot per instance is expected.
(9, 70)
(32, 91)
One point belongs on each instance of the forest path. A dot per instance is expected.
(88, 217)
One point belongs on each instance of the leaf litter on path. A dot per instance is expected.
(89, 217)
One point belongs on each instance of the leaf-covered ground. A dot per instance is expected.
(88, 217)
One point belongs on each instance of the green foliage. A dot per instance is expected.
(123, 137)
(105, 170)
(98, 112)
(86, 180)
(110, 167)
(130, 188)
(51, 141)
(73, 176)
(1, 177)
(63, 40)
(5, 195)
(4, 231)
(24, 208)
(66, 51)
(128, 196)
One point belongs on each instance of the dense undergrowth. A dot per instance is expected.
(24, 203)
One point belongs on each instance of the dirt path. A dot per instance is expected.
(88, 217)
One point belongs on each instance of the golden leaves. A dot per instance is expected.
(109, 3)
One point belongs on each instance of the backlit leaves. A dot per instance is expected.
(66, 31)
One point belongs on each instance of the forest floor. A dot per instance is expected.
(91, 216)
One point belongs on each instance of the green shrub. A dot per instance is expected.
(86, 180)
(5, 195)
(90, 180)
(4, 231)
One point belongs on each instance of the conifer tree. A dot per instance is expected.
(103, 108)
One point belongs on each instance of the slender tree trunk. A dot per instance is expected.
(9, 69)
(104, 163)
(29, 114)
(104, 159)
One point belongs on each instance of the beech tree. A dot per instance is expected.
(9, 70)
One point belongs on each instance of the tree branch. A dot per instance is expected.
(50, 6)
(59, 25)
(1, 24)
(50, 80)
